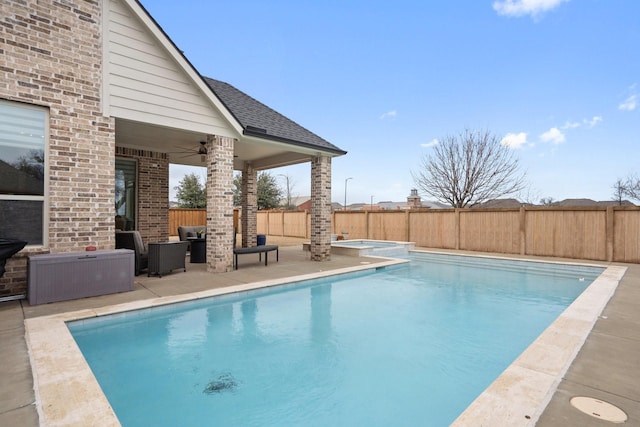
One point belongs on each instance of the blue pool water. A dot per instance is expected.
(406, 345)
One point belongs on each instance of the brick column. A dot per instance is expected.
(321, 209)
(249, 205)
(219, 204)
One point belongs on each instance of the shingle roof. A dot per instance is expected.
(261, 121)
(589, 202)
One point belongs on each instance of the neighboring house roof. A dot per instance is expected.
(575, 202)
(513, 203)
(297, 201)
(500, 203)
(260, 121)
(387, 205)
(355, 206)
(589, 202)
(434, 205)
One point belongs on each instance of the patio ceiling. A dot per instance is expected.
(264, 137)
(182, 146)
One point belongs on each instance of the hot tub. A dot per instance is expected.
(364, 247)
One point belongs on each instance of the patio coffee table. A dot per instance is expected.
(198, 250)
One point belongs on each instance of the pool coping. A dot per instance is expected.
(67, 393)
(520, 394)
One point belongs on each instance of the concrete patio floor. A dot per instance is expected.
(606, 367)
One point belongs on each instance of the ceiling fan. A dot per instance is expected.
(201, 151)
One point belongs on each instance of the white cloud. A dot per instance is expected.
(514, 140)
(594, 121)
(570, 125)
(629, 104)
(525, 7)
(430, 144)
(589, 123)
(553, 135)
(389, 114)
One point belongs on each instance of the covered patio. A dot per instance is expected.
(270, 141)
(166, 112)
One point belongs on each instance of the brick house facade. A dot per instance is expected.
(51, 57)
(62, 58)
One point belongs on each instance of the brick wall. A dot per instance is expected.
(153, 193)
(50, 56)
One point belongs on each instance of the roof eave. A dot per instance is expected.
(263, 135)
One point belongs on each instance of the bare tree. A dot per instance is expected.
(547, 201)
(528, 195)
(469, 169)
(632, 187)
(627, 187)
(288, 191)
(619, 191)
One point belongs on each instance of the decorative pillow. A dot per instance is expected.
(137, 239)
(191, 234)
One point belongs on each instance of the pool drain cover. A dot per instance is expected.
(224, 382)
(599, 409)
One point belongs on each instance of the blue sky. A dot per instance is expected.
(558, 80)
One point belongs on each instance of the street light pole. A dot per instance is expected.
(371, 203)
(345, 192)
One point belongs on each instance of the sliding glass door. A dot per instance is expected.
(126, 178)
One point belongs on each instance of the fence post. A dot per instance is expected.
(457, 225)
(366, 224)
(523, 231)
(609, 233)
(407, 231)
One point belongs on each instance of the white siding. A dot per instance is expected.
(146, 83)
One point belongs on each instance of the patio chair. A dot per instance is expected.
(132, 240)
(186, 231)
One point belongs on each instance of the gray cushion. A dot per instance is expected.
(184, 230)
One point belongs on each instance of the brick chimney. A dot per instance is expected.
(413, 200)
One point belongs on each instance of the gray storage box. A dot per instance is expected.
(65, 276)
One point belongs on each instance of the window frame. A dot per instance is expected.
(45, 197)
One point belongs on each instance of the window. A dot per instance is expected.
(125, 194)
(23, 140)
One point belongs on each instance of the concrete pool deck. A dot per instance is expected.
(605, 368)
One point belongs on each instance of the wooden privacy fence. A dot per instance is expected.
(182, 216)
(594, 233)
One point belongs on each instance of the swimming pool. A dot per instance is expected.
(362, 348)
